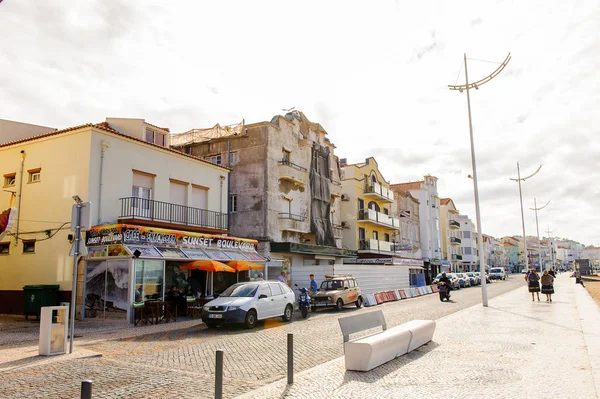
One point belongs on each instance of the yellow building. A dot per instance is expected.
(141, 192)
(366, 212)
(450, 233)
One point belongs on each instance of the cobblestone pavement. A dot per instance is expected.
(515, 348)
(177, 359)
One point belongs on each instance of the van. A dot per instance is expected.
(497, 273)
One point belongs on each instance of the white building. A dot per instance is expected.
(468, 244)
(450, 233)
(425, 191)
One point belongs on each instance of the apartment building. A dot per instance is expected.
(366, 210)
(285, 189)
(151, 208)
(450, 233)
(408, 240)
(468, 245)
(425, 191)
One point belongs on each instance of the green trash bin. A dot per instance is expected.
(37, 296)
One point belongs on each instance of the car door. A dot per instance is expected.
(264, 306)
(278, 303)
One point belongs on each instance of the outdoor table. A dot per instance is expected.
(162, 311)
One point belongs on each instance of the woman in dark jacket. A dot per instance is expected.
(533, 282)
(547, 285)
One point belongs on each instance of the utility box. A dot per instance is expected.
(54, 329)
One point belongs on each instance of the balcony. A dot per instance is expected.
(336, 188)
(456, 257)
(378, 218)
(455, 241)
(293, 173)
(376, 190)
(142, 210)
(292, 222)
(453, 224)
(375, 245)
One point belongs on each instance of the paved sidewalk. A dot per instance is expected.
(515, 348)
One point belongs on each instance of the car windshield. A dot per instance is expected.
(240, 290)
(332, 284)
(439, 276)
(496, 271)
(470, 274)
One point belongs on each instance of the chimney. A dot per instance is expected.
(343, 162)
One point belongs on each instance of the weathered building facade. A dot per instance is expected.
(408, 240)
(284, 188)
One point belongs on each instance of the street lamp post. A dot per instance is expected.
(519, 179)
(537, 226)
(467, 87)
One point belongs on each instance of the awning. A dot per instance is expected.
(310, 249)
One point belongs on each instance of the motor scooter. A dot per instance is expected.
(303, 301)
(444, 291)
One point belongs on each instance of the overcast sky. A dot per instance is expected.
(373, 73)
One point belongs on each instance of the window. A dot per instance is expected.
(34, 175)
(155, 137)
(265, 290)
(361, 204)
(233, 158)
(361, 234)
(276, 289)
(233, 203)
(286, 206)
(466, 251)
(141, 191)
(286, 155)
(385, 211)
(376, 235)
(9, 179)
(4, 248)
(28, 246)
(466, 234)
(387, 237)
(216, 159)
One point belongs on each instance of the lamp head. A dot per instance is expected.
(77, 199)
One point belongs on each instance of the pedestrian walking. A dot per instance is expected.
(552, 273)
(533, 282)
(313, 284)
(547, 285)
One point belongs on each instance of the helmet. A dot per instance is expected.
(303, 290)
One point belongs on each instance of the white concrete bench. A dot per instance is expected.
(366, 353)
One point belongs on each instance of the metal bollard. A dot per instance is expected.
(219, 375)
(86, 389)
(290, 358)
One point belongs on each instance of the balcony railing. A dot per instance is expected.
(373, 216)
(146, 209)
(456, 257)
(292, 165)
(454, 224)
(455, 240)
(287, 215)
(375, 245)
(379, 191)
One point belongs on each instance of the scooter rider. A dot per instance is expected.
(446, 280)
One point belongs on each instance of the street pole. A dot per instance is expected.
(535, 208)
(522, 218)
(467, 87)
(74, 287)
(484, 296)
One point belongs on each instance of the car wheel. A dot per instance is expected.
(359, 302)
(250, 321)
(287, 313)
(339, 305)
(211, 325)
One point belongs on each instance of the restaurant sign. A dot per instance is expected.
(142, 235)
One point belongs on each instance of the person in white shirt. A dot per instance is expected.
(282, 278)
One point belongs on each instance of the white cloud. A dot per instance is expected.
(374, 74)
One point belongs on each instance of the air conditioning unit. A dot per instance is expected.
(345, 197)
(345, 225)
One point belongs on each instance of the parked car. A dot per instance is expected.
(474, 278)
(247, 302)
(337, 291)
(487, 277)
(463, 280)
(497, 273)
(452, 277)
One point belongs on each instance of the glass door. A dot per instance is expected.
(106, 289)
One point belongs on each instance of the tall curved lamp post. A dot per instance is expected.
(537, 226)
(466, 87)
(519, 179)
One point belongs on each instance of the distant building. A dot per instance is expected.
(468, 245)
(450, 233)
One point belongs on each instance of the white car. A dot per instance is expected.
(497, 273)
(464, 280)
(248, 302)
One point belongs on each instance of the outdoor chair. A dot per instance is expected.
(193, 307)
(140, 314)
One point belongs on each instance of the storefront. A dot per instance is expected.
(128, 263)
